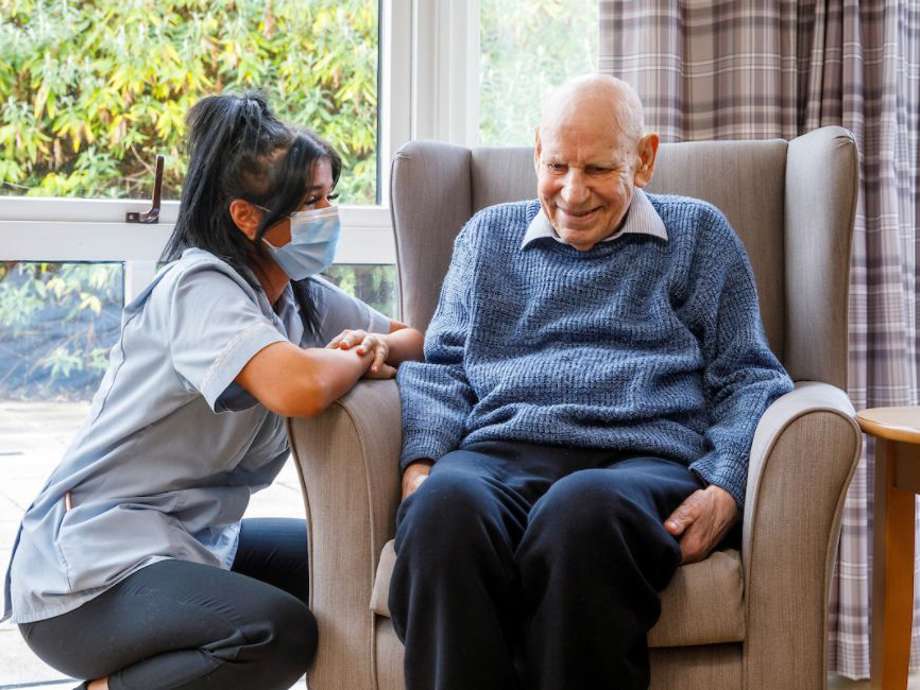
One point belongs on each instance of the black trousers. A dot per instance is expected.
(524, 566)
(177, 624)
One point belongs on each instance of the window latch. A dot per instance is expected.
(153, 215)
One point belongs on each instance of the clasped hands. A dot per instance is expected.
(700, 522)
(364, 343)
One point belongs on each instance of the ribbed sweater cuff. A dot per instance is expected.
(725, 473)
(428, 445)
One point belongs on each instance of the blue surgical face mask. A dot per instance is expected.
(314, 236)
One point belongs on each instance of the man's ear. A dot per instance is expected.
(648, 150)
(537, 151)
(246, 217)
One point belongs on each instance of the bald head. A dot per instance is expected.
(595, 100)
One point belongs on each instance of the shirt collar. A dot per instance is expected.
(287, 313)
(641, 218)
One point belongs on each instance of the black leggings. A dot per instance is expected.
(177, 624)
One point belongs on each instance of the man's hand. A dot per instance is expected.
(701, 521)
(414, 475)
(364, 342)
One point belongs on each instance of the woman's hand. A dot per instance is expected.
(364, 342)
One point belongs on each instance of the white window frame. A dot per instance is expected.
(429, 89)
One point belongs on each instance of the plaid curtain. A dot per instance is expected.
(741, 69)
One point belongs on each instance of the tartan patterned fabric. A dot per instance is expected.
(740, 69)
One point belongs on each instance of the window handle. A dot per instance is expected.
(153, 215)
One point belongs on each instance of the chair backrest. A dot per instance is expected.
(791, 203)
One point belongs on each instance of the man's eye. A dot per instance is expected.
(332, 197)
(556, 167)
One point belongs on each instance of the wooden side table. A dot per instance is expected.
(897, 481)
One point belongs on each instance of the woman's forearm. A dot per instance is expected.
(297, 382)
(337, 372)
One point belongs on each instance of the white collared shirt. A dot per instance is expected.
(641, 218)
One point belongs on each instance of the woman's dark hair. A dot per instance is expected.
(238, 149)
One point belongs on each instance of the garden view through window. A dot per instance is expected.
(528, 47)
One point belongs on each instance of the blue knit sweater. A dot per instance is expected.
(641, 344)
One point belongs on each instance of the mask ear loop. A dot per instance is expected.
(267, 210)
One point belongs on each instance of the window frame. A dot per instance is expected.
(428, 88)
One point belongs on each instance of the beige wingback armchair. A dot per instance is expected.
(756, 619)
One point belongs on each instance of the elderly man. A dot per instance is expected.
(594, 374)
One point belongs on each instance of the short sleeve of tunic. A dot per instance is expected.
(339, 311)
(215, 327)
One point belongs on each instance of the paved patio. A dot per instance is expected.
(33, 437)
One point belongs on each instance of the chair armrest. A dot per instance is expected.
(348, 460)
(803, 456)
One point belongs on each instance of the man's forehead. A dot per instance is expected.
(599, 115)
(567, 143)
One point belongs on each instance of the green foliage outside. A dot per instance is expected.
(376, 285)
(92, 91)
(529, 47)
(59, 322)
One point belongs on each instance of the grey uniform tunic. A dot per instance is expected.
(172, 449)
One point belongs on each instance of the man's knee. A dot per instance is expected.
(589, 523)
(451, 513)
(582, 507)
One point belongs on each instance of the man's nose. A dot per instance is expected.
(574, 190)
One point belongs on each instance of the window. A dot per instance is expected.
(527, 48)
(375, 284)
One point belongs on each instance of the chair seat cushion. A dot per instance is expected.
(703, 604)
